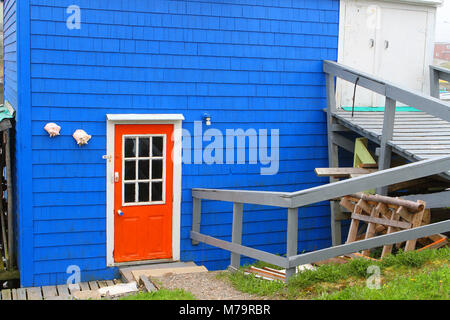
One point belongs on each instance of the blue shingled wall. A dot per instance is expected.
(249, 64)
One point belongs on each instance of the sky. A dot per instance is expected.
(443, 22)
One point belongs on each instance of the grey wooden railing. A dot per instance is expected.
(393, 93)
(436, 74)
(293, 201)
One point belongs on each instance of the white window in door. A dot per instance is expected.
(143, 169)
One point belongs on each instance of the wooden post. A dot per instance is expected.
(236, 236)
(292, 238)
(11, 247)
(434, 83)
(333, 159)
(196, 216)
(384, 161)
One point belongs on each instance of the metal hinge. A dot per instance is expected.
(107, 157)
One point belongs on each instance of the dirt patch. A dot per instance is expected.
(204, 286)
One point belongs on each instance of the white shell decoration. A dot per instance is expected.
(81, 137)
(52, 129)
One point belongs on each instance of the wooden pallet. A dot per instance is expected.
(58, 292)
(384, 215)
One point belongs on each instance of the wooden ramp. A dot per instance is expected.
(59, 292)
(417, 135)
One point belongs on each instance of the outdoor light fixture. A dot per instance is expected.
(207, 119)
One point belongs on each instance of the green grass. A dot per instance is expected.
(433, 285)
(162, 294)
(348, 281)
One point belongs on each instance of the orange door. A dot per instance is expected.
(143, 172)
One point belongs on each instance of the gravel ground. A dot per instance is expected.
(204, 286)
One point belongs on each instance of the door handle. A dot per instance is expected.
(386, 44)
(371, 43)
(120, 213)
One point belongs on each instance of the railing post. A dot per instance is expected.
(292, 238)
(434, 83)
(196, 216)
(384, 160)
(236, 235)
(333, 158)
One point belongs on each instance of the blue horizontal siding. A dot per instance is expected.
(253, 64)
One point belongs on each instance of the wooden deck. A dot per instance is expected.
(59, 292)
(417, 135)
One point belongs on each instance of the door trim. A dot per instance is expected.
(111, 121)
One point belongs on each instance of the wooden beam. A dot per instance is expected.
(374, 220)
(341, 172)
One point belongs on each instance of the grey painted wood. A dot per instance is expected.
(276, 199)
(196, 216)
(21, 294)
(34, 293)
(63, 290)
(84, 286)
(242, 250)
(343, 142)
(384, 160)
(395, 92)
(390, 176)
(396, 237)
(49, 291)
(236, 235)
(149, 286)
(432, 200)
(292, 237)
(93, 285)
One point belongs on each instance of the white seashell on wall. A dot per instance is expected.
(52, 129)
(81, 137)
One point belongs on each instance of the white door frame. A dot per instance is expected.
(111, 121)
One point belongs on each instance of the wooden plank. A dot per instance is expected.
(341, 172)
(84, 286)
(49, 291)
(403, 235)
(21, 294)
(416, 222)
(102, 284)
(93, 285)
(373, 220)
(6, 294)
(14, 294)
(387, 249)
(109, 283)
(246, 251)
(148, 285)
(236, 233)
(63, 290)
(74, 287)
(370, 232)
(352, 232)
(34, 293)
(117, 281)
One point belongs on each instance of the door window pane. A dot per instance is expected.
(130, 170)
(157, 169)
(130, 147)
(157, 146)
(156, 191)
(144, 170)
(144, 192)
(144, 147)
(130, 192)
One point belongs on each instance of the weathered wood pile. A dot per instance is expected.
(384, 215)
